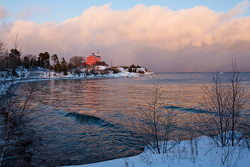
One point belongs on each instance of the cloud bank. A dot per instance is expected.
(189, 40)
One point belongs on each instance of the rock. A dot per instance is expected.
(2, 126)
(19, 133)
(12, 143)
(30, 151)
(75, 159)
(26, 142)
(22, 163)
(2, 143)
(14, 137)
(20, 150)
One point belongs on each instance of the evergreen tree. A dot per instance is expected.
(70, 67)
(130, 69)
(26, 62)
(44, 60)
(14, 58)
(39, 61)
(58, 66)
(64, 66)
(55, 59)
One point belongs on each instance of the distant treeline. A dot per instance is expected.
(14, 58)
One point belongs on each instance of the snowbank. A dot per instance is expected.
(205, 154)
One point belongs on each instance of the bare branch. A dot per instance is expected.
(16, 41)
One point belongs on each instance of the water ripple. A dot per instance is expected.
(82, 118)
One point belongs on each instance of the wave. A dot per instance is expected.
(117, 132)
(89, 119)
(186, 109)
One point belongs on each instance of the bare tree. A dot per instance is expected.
(245, 130)
(15, 108)
(217, 120)
(2, 55)
(11, 60)
(224, 100)
(16, 104)
(31, 61)
(16, 42)
(155, 124)
(75, 60)
(2, 46)
(238, 97)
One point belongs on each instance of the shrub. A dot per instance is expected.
(155, 124)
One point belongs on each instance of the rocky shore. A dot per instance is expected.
(26, 149)
(21, 146)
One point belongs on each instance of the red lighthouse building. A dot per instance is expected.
(92, 59)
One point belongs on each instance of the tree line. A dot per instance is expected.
(11, 59)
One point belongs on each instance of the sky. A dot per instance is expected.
(162, 35)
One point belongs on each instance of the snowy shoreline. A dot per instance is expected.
(41, 75)
(204, 154)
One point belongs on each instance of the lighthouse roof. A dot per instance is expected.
(97, 55)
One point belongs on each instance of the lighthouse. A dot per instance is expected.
(92, 59)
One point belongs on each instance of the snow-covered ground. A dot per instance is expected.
(42, 74)
(206, 154)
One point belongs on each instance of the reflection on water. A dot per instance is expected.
(85, 121)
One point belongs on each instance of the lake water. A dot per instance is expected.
(84, 121)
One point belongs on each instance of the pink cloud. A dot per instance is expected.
(3, 13)
(195, 39)
(239, 9)
(29, 11)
